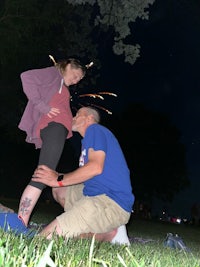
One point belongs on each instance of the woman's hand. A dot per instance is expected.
(53, 112)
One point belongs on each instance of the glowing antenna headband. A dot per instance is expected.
(87, 66)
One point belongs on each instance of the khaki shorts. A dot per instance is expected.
(83, 214)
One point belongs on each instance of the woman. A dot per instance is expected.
(47, 119)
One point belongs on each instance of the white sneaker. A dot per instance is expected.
(121, 236)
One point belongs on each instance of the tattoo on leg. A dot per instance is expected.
(24, 206)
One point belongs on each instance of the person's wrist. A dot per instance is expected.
(60, 179)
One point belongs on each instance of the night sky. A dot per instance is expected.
(166, 78)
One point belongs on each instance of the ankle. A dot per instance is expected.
(20, 217)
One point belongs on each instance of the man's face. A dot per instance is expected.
(79, 121)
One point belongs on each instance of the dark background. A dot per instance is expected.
(165, 79)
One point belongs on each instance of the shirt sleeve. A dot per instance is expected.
(96, 139)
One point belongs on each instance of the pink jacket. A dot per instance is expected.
(39, 85)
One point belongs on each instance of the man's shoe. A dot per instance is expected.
(121, 236)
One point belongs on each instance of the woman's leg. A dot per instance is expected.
(53, 140)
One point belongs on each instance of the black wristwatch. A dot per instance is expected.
(59, 179)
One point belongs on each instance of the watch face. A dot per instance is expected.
(60, 177)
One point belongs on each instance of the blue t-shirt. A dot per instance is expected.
(115, 178)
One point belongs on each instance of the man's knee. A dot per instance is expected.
(55, 193)
(59, 195)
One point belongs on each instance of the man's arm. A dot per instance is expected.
(93, 167)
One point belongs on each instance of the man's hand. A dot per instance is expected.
(45, 175)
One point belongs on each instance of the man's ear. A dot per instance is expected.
(90, 118)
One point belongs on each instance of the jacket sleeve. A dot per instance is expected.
(32, 87)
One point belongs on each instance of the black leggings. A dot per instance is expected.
(53, 140)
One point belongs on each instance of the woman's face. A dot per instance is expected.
(71, 75)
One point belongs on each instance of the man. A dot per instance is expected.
(97, 197)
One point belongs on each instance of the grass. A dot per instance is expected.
(38, 252)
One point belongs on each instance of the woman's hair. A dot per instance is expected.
(75, 64)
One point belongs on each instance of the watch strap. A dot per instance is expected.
(59, 180)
